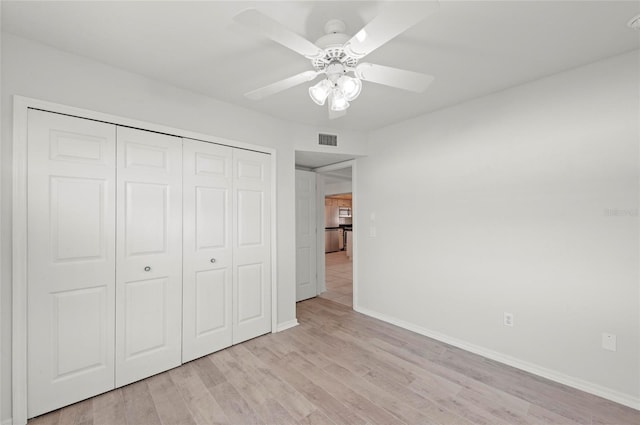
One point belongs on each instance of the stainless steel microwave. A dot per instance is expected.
(344, 212)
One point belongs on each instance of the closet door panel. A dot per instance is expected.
(252, 245)
(207, 250)
(149, 254)
(71, 260)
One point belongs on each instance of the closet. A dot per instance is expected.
(145, 251)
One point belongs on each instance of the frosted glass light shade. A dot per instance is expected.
(320, 91)
(350, 86)
(338, 101)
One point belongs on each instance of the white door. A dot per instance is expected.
(71, 260)
(207, 249)
(305, 235)
(251, 244)
(149, 254)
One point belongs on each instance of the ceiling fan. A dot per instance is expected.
(336, 55)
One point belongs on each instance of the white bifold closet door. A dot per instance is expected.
(207, 249)
(251, 244)
(149, 254)
(227, 247)
(71, 259)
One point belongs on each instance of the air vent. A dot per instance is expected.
(328, 139)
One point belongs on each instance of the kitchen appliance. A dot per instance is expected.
(331, 240)
(344, 212)
(331, 218)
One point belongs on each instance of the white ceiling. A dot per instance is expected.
(472, 48)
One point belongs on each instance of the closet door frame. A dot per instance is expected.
(21, 105)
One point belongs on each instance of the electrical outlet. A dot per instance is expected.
(609, 342)
(508, 319)
(372, 231)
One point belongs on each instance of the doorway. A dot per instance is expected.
(338, 238)
(336, 270)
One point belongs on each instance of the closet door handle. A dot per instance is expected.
(213, 260)
(147, 269)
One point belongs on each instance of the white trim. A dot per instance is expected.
(8, 421)
(321, 283)
(19, 263)
(336, 166)
(589, 387)
(19, 225)
(287, 325)
(274, 244)
(354, 233)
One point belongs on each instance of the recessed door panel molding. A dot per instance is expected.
(250, 287)
(87, 336)
(306, 245)
(211, 308)
(207, 248)
(213, 229)
(250, 214)
(71, 260)
(149, 254)
(212, 165)
(146, 218)
(252, 245)
(248, 170)
(78, 147)
(145, 302)
(144, 156)
(68, 245)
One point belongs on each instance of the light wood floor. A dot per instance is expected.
(338, 278)
(341, 367)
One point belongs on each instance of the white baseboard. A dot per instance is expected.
(287, 325)
(589, 387)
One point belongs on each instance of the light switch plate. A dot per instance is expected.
(609, 342)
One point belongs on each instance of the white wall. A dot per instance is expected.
(525, 201)
(35, 70)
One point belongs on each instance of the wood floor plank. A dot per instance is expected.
(359, 403)
(170, 406)
(108, 408)
(324, 401)
(203, 407)
(378, 395)
(296, 405)
(47, 419)
(138, 405)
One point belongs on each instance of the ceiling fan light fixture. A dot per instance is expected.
(338, 101)
(350, 86)
(320, 91)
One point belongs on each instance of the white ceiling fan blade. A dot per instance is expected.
(281, 85)
(394, 77)
(393, 20)
(260, 23)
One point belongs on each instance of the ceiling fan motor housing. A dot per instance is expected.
(332, 43)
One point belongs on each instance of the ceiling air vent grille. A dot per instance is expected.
(327, 139)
